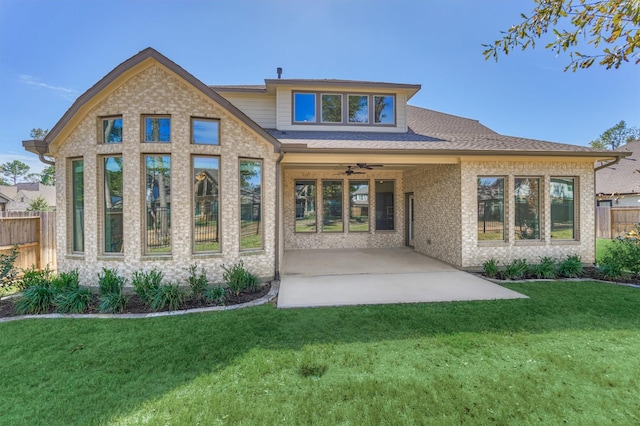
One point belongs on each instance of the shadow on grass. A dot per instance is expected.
(91, 371)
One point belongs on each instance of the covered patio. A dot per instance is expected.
(335, 277)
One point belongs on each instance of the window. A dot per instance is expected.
(562, 208)
(113, 202)
(527, 208)
(358, 206)
(305, 192)
(358, 109)
(111, 130)
(158, 204)
(250, 204)
(157, 128)
(384, 205)
(304, 107)
(77, 205)
(384, 112)
(331, 108)
(205, 131)
(332, 206)
(206, 218)
(490, 208)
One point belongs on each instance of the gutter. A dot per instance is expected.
(40, 148)
(611, 163)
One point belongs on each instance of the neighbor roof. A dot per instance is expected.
(623, 177)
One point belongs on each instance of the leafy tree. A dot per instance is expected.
(48, 176)
(612, 27)
(39, 204)
(14, 170)
(4, 182)
(616, 136)
(38, 133)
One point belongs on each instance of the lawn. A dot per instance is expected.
(568, 354)
(601, 247)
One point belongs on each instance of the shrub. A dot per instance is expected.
(110, 282)
(611, 270)
(546, 269)
(623, 254)
(516, 270)
(65, 281)
(197, 282)
(33, 277)
(215, 294)
(571, 267)
(170, 295)
(73, 300)
(145, 284)
(113, 302)
(490, 268)
(238, 279)
(7, 266)
(36, 299)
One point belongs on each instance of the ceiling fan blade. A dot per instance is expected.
(368, 166)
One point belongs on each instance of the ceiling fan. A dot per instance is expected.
(368, 166)
(350, 171)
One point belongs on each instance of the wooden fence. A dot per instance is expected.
(35, 235)
(612, 222)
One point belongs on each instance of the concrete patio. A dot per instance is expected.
(336, 277)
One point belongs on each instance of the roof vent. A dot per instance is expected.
(279, 71)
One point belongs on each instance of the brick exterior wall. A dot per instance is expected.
(155, 90)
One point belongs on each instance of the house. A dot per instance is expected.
(618, 185)
(155, 169)
(19, 197)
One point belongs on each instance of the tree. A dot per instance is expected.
(48, 176)
(611, 27)
(14, 170)
(38, 133)
(39, 204)
(616, 136)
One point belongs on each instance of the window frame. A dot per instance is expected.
(386, 213)
(103, 210)
(218, 216)
(315, 202)
(574, 206)
(261, 211)
(318, 119)
(358, 123)
(143, 127)
(294, 104)
(101, 129)
(342, 227)
(394, 112)
(74, 218)
(540, 213)
(504, 215)
(322, 95)
(145, 214)
(207, 120)
(360, 182)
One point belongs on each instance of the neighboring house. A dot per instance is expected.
(19, 197)
(279, 162)
(618, 185)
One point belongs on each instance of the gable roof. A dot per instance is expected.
(623, 177)
(127, 66)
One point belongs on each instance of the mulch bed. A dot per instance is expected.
(588, 274)
(136, 306)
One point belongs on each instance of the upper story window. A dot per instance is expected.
(156, 128)
(111, 129)
(343, 108)
(205, 131)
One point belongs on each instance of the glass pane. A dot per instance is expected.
(112, 130)
(77, 169)
(562, 209)
(157, 129)
(250, 204)
(358, 206)
(306, 206)
(527, 205)
(205, 132)
(158, 203)
(332, 108)
(304, 108)
(113, 223)
(206, 233)
(383, 113)
(332, 206)
(490, 208)
(384, 205)
(358, 109)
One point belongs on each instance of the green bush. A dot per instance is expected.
(7, 266)
(73, 300)
(167, 295)
(216, 294)
(237, 278)
(620, 256)
(33, 277)
(110, 282)
(571, 267)
(113, 302)
(516, 270)
(36, 299)
(65, 281)
(145, 284)
(490, 268)
(546, 269)
(197, 282)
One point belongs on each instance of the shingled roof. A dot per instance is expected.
(623, 177)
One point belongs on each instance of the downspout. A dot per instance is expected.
(616, 161)
(276, 274)
(46, 160)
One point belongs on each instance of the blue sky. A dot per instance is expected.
(51, 51)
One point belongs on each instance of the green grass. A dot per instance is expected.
(568, 354)
(601, 247)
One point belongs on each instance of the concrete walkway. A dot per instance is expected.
(337, 277)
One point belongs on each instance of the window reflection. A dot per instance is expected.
(206, 132)
(157, 129)
(490, 208)
(206, 232)
(112, 130)
(305, 193)
(250, 204)
(113, 223)
(383, 110)
(158, 204)
(332, 206)
(304, 108)
(358, 109)
(562, 208)
(332, 108)
(358, 206)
